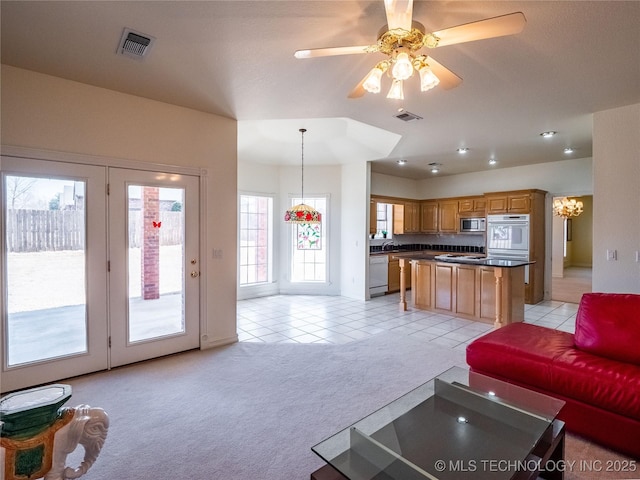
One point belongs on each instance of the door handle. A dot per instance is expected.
(195, 274)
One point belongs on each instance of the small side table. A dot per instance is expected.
(37, 434)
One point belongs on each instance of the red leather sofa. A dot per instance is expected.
(596, 371)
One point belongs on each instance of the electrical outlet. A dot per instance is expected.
(612, 255)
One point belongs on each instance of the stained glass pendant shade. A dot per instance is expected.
(302, 213)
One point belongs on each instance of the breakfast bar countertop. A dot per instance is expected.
(464, 259)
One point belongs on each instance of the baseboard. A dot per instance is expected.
(205, 345)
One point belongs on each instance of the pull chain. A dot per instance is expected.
(302, 130)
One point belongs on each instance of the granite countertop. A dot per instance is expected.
(461, 258)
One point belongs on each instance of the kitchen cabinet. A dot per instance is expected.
(393, 284)
(429, 217)
(421, 279)
(394, 275)
(439, 216)
(373, 216)
(448, 216)
(406, 218)
(505, 202)
(469, 291)
(472, 207)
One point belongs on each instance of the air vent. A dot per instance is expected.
(407, 116)
(135, 44)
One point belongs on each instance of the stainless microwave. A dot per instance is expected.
(473, 225)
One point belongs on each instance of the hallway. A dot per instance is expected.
(569, 288)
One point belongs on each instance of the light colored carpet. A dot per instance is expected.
(248, 410)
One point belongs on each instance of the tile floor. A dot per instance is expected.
(339, 320)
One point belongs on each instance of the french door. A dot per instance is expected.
(154, 264)
(54, 275)
(92, 280)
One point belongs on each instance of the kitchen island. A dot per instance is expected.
(476, 288)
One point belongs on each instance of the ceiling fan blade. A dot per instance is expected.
(399, 13)
(327, 52)
(509, 24)
(447, 78)
(359, 90)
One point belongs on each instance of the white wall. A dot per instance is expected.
(49, 113)
(390, 186)
(557, 249)
(355, 227)
(567, 176)
(616, 199)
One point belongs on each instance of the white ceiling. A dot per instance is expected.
(235, 58)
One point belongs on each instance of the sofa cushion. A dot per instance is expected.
(597, 381)
(519, 351)
(608, 325)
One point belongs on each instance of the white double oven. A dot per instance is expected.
(508, 238)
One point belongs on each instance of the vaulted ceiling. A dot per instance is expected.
(235, 58)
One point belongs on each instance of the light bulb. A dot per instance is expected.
(402, 69)
(428, 80)
(395, 92)
(372, 82)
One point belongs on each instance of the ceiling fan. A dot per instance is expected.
(401, 40)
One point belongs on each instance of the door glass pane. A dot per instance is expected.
(156, 262)
(45, 258)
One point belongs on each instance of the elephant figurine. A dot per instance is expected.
(88, 428)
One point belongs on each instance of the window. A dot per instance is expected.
(384, 217)
(256, 239)
(309, 245)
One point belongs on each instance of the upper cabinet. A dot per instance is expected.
(429, 217)
(448, 216)
(472, 207)
(406, 218)
(439, 216)
(509, 202)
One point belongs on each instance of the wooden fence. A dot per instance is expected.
(53, 230)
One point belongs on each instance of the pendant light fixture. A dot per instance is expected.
(302, 213)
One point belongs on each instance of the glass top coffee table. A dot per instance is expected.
(459, 425)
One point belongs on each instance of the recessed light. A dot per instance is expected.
(569, 150)
(492, 161)
(462, 150)
(548, 134)
(401, 162)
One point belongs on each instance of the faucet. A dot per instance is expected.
(387, 244)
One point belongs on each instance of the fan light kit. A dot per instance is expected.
(401, 162)
(462, 150)
(548, 134)
(401, 41)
